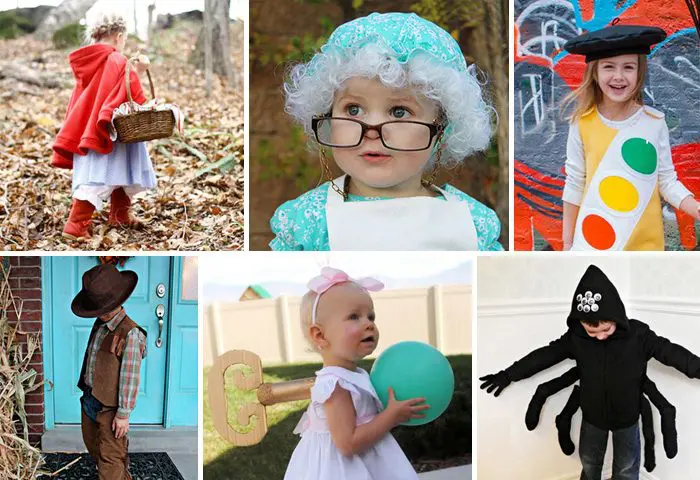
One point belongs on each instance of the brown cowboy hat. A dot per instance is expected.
(104, 289)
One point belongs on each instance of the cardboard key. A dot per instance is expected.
(267, 393)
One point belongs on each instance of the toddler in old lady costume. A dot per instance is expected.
(102, 168)
(618, 164)
(344, 432)
(393, 99)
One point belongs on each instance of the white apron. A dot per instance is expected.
(618, 193)
(400, 224)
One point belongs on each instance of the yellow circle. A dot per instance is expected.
(619, 194)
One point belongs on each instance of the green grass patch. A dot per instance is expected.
(446, 438)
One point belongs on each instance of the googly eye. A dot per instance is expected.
(597, 297)
(579, 307)
(586, 308)
(594, 308)
(591, 301)
(579, 297)
(589, 294)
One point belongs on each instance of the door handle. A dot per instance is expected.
(160, 313)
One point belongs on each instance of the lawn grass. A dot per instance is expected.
(447, 439)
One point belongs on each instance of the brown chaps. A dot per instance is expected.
(110, 453)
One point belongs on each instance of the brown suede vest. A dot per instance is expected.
(105, 384)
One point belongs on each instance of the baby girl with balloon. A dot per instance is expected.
(345, 430)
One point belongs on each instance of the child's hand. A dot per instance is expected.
(405, 410)
(690, 206)
(141, 63)
(120, 426)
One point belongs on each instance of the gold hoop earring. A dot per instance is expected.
(329, 176)
(429, 179)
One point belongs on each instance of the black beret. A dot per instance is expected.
(616, 40)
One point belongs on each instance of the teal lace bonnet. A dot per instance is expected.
(405, 34)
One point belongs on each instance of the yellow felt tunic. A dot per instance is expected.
(596, 136)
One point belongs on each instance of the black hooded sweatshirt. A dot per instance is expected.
(611, 370)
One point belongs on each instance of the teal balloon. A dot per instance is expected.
(414, 369)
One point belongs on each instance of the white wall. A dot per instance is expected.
(523, 302)
(440, 315)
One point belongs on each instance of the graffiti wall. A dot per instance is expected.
(544, 74)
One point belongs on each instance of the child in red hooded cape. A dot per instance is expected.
(102, 168)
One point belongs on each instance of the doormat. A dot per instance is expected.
(142, 466)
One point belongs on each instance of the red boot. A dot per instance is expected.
(79, 220)
(119, 207)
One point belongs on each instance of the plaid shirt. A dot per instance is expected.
(129, 374)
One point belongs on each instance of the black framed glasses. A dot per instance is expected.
(402, 135)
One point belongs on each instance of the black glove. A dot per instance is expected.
(497, 382)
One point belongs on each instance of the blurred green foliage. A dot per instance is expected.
(13, 25)
(69, 36)
(289, 162)
(452, 15)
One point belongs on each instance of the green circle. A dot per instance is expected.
(640, 155)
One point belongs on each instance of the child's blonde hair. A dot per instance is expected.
(305, 316)
(105, 25)
(588, 94)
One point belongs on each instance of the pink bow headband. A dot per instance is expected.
(332, 276)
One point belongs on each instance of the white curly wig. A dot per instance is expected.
(311, 87)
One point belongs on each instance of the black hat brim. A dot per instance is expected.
(82, 307)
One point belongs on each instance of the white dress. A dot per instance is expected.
(317, 458)
(96, 175)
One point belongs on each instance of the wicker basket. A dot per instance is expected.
(146, 125)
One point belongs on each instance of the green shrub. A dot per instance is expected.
(13, 25)
(69, 36)
(450, 435)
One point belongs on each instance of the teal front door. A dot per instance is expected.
(62, 280)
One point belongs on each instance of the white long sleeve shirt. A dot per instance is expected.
(670, 188)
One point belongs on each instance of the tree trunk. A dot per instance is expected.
(497, 49)
(67, 12)
(25, 74)
(208, 27)
(221, 46)
(151, 7)
(136, 20)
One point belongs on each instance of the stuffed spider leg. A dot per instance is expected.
(648, 433)
(563, 421)
(668, 417)
(544, 391)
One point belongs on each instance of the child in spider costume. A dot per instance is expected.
(611, 352)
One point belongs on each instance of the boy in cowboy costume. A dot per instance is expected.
(109, 377)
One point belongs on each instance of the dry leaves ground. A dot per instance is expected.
(198, 204)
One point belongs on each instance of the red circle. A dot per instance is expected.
(598, 232)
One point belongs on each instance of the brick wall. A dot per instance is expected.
(25, 282)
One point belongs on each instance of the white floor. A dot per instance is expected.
(454, 473)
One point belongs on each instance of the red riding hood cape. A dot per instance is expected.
(100, 88)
